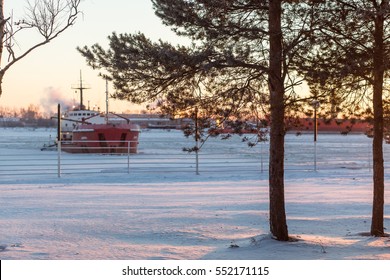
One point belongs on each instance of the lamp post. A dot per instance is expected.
(316, 104)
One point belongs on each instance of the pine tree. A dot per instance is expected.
(347, 64)
(240, 61)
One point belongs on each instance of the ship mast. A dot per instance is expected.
(81, 87)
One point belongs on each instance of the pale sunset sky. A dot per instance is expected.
(51, 71)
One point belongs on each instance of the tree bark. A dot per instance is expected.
(278, 224)
(377, 228)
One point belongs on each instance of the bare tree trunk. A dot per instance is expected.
(377, 228)
(278, 224)
(2, 28)
(2, 25)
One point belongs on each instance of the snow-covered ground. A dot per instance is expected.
(175, 214)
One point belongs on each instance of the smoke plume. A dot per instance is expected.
(53, 97)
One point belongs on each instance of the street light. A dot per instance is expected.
(316, 104)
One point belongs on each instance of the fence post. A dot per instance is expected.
(261, 157)
(59, 158)
(59, 141)
(128, 157)
(197, 137)
(197, 162)
(315, 155)
(369, 157)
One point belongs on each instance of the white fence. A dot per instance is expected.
(162, 152)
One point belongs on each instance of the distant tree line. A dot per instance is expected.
(30, 116)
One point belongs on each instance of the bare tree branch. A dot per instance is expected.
(49, 17)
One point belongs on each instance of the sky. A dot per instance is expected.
(52, 70)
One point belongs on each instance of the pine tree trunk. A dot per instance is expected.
(278, 224)
(377, 228)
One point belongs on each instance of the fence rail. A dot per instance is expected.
(163, 153)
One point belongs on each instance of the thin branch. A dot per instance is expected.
(45, 16)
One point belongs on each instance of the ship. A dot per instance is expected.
(94, 136)
(83, 130)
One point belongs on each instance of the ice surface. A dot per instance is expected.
(172, 213)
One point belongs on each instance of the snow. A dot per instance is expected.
(174, 214)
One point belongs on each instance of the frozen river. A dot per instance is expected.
(161, 151)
